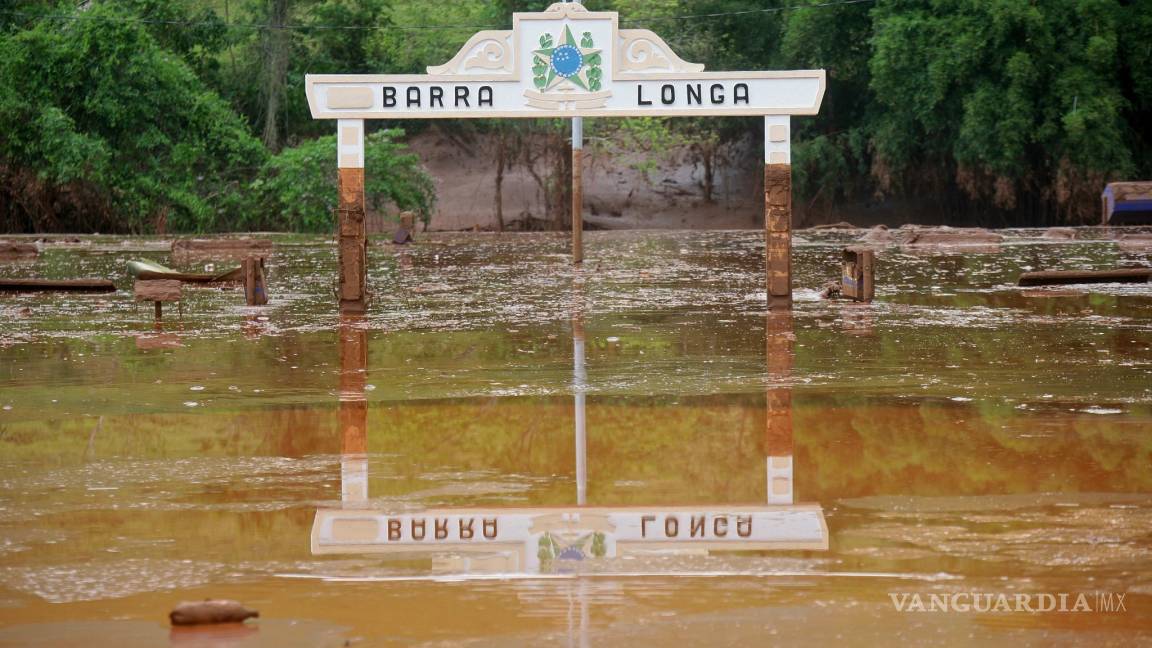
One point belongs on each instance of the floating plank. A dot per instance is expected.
(61, 285)
(1065, 277)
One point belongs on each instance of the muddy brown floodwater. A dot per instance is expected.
(507, 451)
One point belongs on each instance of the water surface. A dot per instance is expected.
(959, 434)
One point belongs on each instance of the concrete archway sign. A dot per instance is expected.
(565, 62)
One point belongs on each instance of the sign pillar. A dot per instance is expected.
(353, 411)
(778, 209)
(350, 226)
(778, 429)
(580, 382)
(577, 186)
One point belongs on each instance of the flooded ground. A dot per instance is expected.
(639, 452)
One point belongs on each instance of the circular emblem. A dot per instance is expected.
(566, 61)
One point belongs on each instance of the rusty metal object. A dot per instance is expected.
(210, 611)
(352, 242)
(778, 233)
(857, 277)
(57, 285)
(1067, 277)
(255, 289)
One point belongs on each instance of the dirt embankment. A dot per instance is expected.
(628, 191)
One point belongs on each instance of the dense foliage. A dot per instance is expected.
(298, 186)
(133, 114)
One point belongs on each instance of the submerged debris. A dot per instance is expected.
(1060, 233)
(878, 234)
(1137, 242)
(949, 236)
(1063, 277)
(65, 285)
(13, 250)
(211, 611)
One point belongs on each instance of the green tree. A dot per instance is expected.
(1015, 99)
(296, 189)
(104, 129)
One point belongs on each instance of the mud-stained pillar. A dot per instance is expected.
(351, 232)
(778, 210)
(353, 411)
(577, 190)
(778, 432)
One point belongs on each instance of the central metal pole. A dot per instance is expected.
(577, 186)
(577, 190)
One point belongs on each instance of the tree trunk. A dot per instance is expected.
(708, 154)
(276, 43)
(501, 152)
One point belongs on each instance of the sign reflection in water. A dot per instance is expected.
(558, 539)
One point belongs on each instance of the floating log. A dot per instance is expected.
(150, 270)
(14, 250)
(1126, 203)
(953, 237)
(211, 611)
(60, 285)
(1065, 277)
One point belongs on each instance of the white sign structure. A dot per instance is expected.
(533, 540)
(565, 62)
